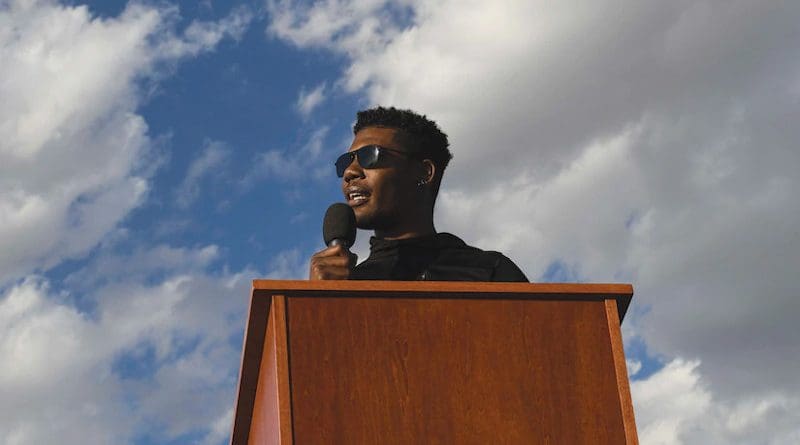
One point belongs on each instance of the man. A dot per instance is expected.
(390, 177)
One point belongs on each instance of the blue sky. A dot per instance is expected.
(155, 157)
(241, 98)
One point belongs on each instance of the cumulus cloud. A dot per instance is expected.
(307, 101)
(66, 376)
(649, 142)
(667, 401)
(341, 25)
(675, 406)
(204, 165)
(75, 159)
(204, 36)
(74, 155)
(137, 345)
(289, 265)
(292, 164)
(144, 344)
(45, 346)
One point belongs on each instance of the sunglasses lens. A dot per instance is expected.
(343, 162)
(367, 158)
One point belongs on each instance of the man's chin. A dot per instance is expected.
(363, 221)
(366, 225)
(367, 220)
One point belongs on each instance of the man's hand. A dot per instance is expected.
(333, 263)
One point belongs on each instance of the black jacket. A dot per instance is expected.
(440, 257)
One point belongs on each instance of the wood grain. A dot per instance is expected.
(278, 316)
(445, 286)
(385, 361)
(394, 370)
(621, 371)
(252, 352)
(271, 415)
(621, 293)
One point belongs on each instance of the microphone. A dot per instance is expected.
(339, 226)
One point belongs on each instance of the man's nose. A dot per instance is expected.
(353, 171)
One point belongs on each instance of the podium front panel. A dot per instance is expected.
(452, 370)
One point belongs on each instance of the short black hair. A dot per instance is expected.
(422, 134)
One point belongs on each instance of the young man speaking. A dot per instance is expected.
(390, 177)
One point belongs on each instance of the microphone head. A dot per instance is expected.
(339, 224)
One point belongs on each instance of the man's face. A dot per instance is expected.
(384, 197)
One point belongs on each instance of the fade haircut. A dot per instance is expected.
(420, 135)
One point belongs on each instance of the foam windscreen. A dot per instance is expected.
(339, 224)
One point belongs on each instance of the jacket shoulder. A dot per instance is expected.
(485, 265)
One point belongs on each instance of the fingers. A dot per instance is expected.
(332, 251)
(332, 263)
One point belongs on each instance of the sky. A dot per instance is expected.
(155, 157)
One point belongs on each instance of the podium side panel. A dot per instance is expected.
(626, 404)
(252, 350)
(449, 370)
(271, 421)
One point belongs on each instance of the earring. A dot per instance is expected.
(421, 183)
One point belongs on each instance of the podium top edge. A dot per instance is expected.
(616, 289)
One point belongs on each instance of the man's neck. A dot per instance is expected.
(407, 232)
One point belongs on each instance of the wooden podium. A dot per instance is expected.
(380, 362)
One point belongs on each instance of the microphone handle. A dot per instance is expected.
(339, 242)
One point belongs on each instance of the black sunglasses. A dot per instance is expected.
(369, 156)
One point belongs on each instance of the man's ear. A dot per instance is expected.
(428, 170)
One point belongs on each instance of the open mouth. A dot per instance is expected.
(357, 196)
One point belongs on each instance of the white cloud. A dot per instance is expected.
(634, 366)
(291, 264)
(294, 164)
(348, 25)
(675, 406)
(205, 164)
(649, 142)
(75, 159)
(667, 401)
(204, 36)
(307, 101)
(60, 377)
(135, 266)
(74, 154)
(51, 379)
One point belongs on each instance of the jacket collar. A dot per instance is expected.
(379, 247)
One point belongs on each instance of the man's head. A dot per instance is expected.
(415, 133)
(397, 193)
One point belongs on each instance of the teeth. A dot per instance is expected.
(357, 196)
